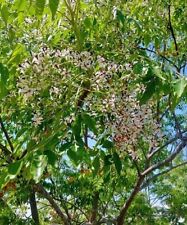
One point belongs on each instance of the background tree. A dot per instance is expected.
(93, 98)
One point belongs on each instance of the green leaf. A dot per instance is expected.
(157, 71)
(20, 5)
(3, 72)
(179, 86)
(147, 39)
(137, 69)
(5, 13)
(17, 54)
(38, 166)
(51, 156)
(40, 4)
(65, 146)
(117, 162)
(107, 144)
(107, 160)
(87, 22)
(53, 5)
(90, 122)
(120, 16)
(76, 128)
(14, 168)
(149, 91)
(3, 81)
(96, 164)
(4, 178)
(73, 156)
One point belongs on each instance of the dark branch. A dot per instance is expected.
(123, 211)
(6, 134)
(94, 208)
(33, 205)
(159, 55)
(177, 125)
(169, 159)
(147, 182)
(40, 189)
(152, 153)
(171, 29)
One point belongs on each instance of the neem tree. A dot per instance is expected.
(93, 97)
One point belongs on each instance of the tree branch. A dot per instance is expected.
(33, 206)
(171, 29)
(71, 204)
(137, 187)
(94, 208)
(144, 185)
(6, 134)
(177, 125)
(123, 211)
(167, 160)
(159, 55)
(152, 153)
(40, 189)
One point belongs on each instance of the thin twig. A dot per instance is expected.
(40, 189)
(159, 55)
(144, 185)
(177, 125)
(171, 29)
(6, 134)
(152, 153)
(169, 159)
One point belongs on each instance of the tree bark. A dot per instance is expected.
(124, 209)
(94, 208)
(33, 205)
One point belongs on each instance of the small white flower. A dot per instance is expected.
(55, 90)
(37, 119)
(114, 12)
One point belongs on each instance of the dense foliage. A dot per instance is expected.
(93, 112)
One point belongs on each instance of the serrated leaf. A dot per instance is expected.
(38, 166)
(72, 155)
(3, 81)
(14, 168)
(51, 156)
(107, 144)
(76, 128)
(5, 13)
(137, 68)
(120, 16)
(90, 122)
(65, 146)
(117, 162)
(40, 4)
(179, 86)
(96, 164)
(149, 91)
(53, 5)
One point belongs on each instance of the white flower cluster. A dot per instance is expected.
(134, 122)
(36, 74)
(110, 91)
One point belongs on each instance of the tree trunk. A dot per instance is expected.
(33, 205)
(124, 209)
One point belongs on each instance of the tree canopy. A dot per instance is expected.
(93, 112)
